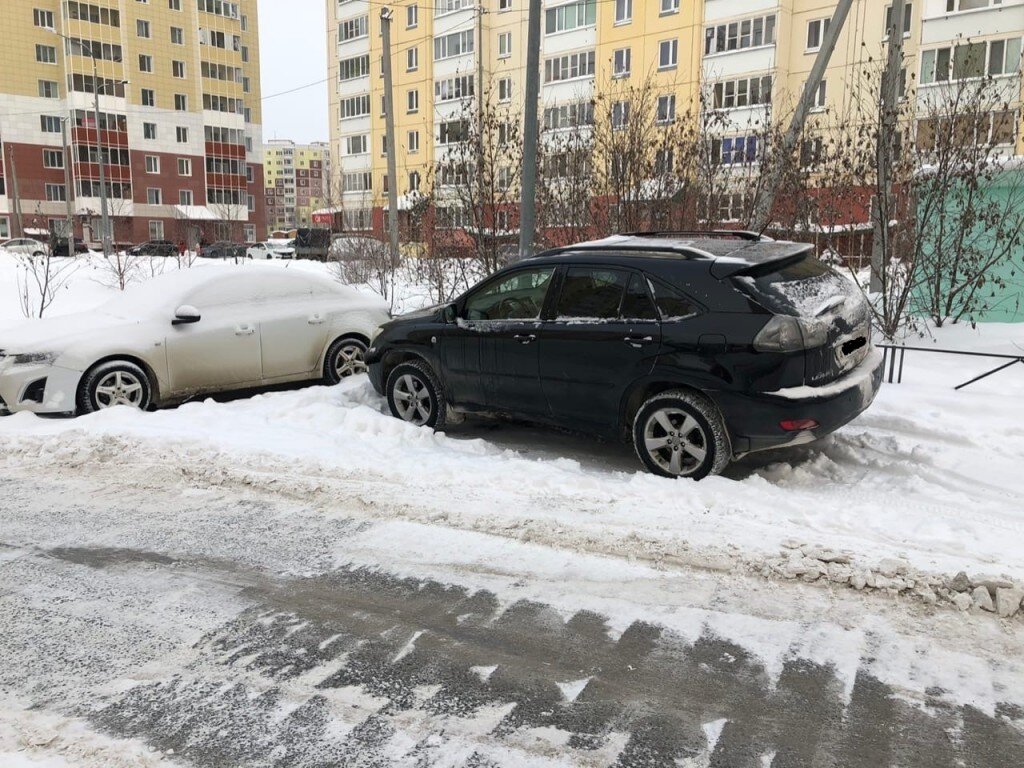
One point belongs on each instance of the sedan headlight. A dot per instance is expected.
(33, 358)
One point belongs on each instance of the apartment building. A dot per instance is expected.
(297, 182)
(747, 60)
(179, 122)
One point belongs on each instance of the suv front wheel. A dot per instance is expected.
(680, 434)
(415, 395)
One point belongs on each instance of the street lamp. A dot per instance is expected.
(96, 87)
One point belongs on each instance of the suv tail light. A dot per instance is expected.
(785, 333)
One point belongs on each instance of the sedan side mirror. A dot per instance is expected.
(185, 314)
(451, 313)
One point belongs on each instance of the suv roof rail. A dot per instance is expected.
(740, 234)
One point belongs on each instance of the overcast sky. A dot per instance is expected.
(293, 51)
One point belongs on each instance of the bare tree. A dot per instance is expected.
(40, 280)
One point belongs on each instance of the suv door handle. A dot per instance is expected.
(524, 338)
(638, 341)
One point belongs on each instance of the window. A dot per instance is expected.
(152, 164)
(357, 66)
(636, 302)
(351, 29)
(671, 304)
(454, 44)
(412, 99)
(818, 102)
(412, 59)
(355, 106)
(46, 54)
(414, 181)
(591, 293)
(454, 88)
(668, 54)
(145, 62)
(178, 69)
(450, 6)
(181, 134)
(184, 166)
(811, 152)
(816, 32)
(177, 36)
(736, 150)
(621, 62)
(355, 145)
(148, 97)
(156, 230)
(623, 11)
(185, 197)
(412, 16)
(907, 19)
(743, 92)
(141, 28)
(505, 89)
(504, 5)
(666, 109)
(995, 57)
(737, 35)
(53, 158)
(669, 6)
(453, 132)
(620, 115)
(569, 115)
(48, 89)
(5, 225)
(519, 296)
(43, 18)
(219, 8)
(504, 45)
(356, 182)
(569, 67)
(56, 193)
(174, 5)
(969, 5)
(49, 124)
(570, 16)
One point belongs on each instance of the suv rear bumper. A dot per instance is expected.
(753, 418)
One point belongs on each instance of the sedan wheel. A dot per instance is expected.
(112, 384)
(345, 358)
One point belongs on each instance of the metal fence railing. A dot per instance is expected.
(893, 355)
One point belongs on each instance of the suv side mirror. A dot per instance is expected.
(186, 314)
(451, 313)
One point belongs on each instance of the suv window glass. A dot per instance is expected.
(636, 304)
(804, 288)
(591, 293)
(519, 296)
(672, 305)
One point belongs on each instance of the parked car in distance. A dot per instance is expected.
(25, 246)
(223, 249)
(60, 246)
(697, 347)
(207, 329)
(267, 250)
(312, 243)
(154, 248)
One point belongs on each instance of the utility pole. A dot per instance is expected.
(67, 185)
(104, 214)
(389, 129)
(15, 196)
(881, 208)
(528, 196)
(766, 200)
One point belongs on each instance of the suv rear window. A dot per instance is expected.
(805, 288)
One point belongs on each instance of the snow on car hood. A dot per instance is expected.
(54, 334)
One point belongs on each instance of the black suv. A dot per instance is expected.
(700, 347)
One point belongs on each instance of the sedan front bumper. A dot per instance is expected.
(38, 388)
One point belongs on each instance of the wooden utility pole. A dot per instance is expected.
(528, 195)
(766, 200)
(885, 146)
(389, 132)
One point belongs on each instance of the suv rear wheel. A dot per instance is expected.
(415, 395)
(680, 434)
